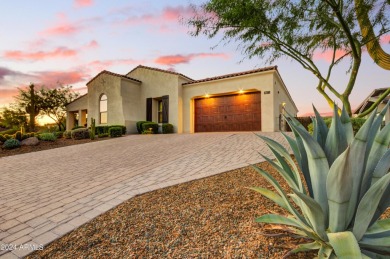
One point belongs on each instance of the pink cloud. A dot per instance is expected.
(171, 60)
(328, 55)
(60, 52)
(83, 3)
(385, 39)
(52, 78)
(62, 29)
(162, 20)
(7, 95)
(93, 44)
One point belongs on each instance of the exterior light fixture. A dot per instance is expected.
(206, 95)
(240, 91)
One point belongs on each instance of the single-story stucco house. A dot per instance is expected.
(243, 101)
(370, 100)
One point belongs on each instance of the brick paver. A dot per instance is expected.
(46, 194)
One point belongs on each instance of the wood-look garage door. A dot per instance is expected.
(241, 112)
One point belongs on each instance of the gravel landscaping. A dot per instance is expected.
(208, 218)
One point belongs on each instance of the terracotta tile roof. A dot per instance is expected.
(113, 74)
(233, 75)
(161, 70)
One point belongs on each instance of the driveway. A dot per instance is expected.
(47, 194)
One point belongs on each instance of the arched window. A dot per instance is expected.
(103, 109)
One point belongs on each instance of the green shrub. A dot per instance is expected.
(78, 127)
(150, 125)
(25, 136)
(101, 129)
(7, 136)
(9, 131)
(67, 134)
(80, 133)
(2, 138)
(11, 143)
(47, 137)
(139, 126)
(167, 128)
(115, 132)
(93, 129)
(103, 135)
(347, 178)
(18, 136)
(59, 134)
(147, 132)
(123, 128)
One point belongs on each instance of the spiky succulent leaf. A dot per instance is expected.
(282, 194)
(318, 167)
(313, 212)
(325, 252)
(373, 255)
(382, 167)
(279, 219)
(301, 159)
(281, 153)
(368, 206)
(357, 154)
(345, 245)
(305, 247)
(271, 195)
(336, 141)
(380, 228)
(339, 191)
(346, 125)
(377, 145)
(320, 131)
(378, 245)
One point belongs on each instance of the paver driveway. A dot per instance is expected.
(46, 194)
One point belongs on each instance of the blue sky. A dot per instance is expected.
(47, 41)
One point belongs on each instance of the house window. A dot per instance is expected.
(103, 109)
(160, 111)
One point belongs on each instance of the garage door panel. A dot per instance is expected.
(228, 113)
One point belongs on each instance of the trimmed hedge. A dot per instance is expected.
(105, 129)
(154, 126)
(80, 134)
(103, 135)
(139, 125)
(115, 132)
(59, 134)
(167, 128)
(47, 137)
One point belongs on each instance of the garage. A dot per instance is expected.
(238, 112)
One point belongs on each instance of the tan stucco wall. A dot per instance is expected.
(156, 84)
(131, 109)
(252, 82)
(80, 106)
(281, 96)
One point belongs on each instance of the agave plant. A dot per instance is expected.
(347, 186)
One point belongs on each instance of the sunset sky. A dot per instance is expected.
(70, 41)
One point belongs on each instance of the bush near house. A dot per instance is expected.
(115, 132)
(67, 134)
(105, 129)
(59, 134)
(78, 127)
(167, 128)
(139, 125)
(47, 137)
(2, 138)
(81, 133)
(11, 144)
(18, 135)
(103, 135)
(7, 136)
(150, 125)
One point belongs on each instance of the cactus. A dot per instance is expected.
(32, 108)
(92, 129)
(18, 135)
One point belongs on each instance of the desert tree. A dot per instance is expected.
(298, 30)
